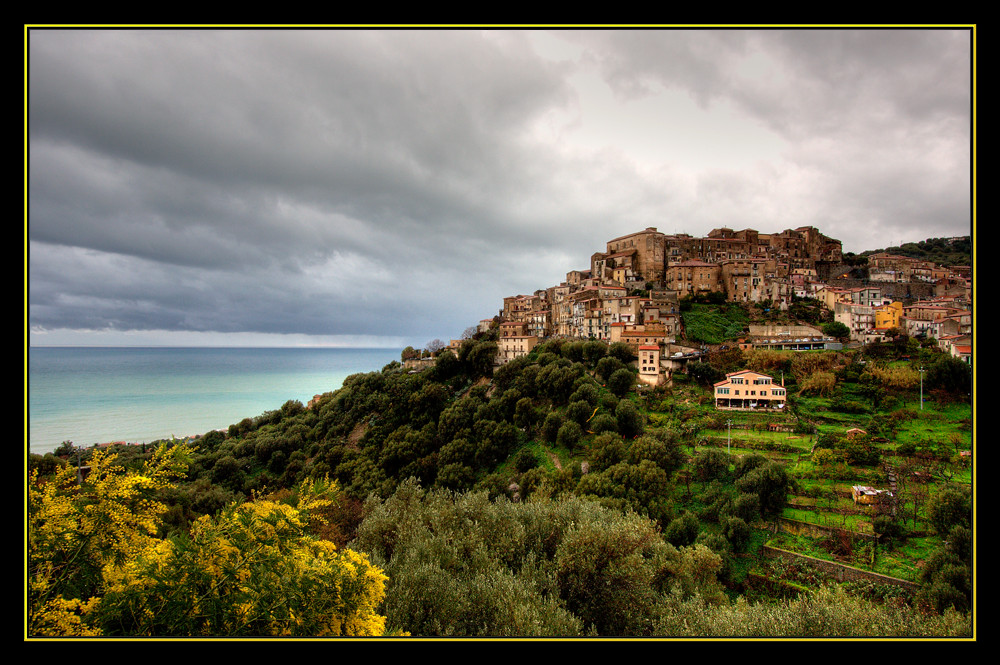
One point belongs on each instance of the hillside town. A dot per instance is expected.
(604, 411)
(631, 293)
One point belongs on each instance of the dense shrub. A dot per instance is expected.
(828, 611)
(524, 459)
(889, 527)
(465, 566)
(682, 531)
(569, 435)
(603, 422)
(770, 483)
(579, 412)
(737, 532)
(550, 426)
(946, 576)
(608, 366)
(587, 393)
(748, 463)
(593, 351)
(621, 382)
(45, 465)
(661, 447)
(711, 464)
(622, 352)
(606, 450)
(629, 419)
(951, 376)
(745, 506)
(949, 508)
(704, 373)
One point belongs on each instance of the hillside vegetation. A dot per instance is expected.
(552, 496)
(942, 251)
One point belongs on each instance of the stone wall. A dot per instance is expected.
(903, 292)
(419, 363)
(839, 571)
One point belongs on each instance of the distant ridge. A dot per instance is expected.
(953, 251)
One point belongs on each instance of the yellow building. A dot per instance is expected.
(889, 316)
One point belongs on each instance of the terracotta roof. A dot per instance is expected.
(742, 371)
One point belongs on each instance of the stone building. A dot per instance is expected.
(692, 277)
(514, 346)
(744, 265)
(747, 280)
(649, 259)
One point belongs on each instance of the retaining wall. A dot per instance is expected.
(841, 572)
(799, 527)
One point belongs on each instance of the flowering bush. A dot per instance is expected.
(97, 567)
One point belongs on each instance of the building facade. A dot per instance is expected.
(747, 390)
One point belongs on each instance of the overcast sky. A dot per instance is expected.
(385, 187)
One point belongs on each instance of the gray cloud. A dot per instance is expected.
(400, 183)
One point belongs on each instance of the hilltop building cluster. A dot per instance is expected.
(631, 291)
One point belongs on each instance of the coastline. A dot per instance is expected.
(97, 395)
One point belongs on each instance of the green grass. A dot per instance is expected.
(938, 426)
(904, 560)
(543, 453)
(714, 324)
(770, 444)
(800, 544)
(822, 495)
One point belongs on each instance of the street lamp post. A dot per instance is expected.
(921, 388)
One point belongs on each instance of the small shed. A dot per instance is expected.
(866, 495)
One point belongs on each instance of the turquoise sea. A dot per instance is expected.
(93, 395)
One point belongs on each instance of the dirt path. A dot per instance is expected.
(555, 459)
(356, 434)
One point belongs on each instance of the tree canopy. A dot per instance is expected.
(97, 567)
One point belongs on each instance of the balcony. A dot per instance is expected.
(748, 404)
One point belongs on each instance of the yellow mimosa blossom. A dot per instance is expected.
(253, 569)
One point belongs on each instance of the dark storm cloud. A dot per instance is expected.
(397, 182)
(387, 126)
(385, 159)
